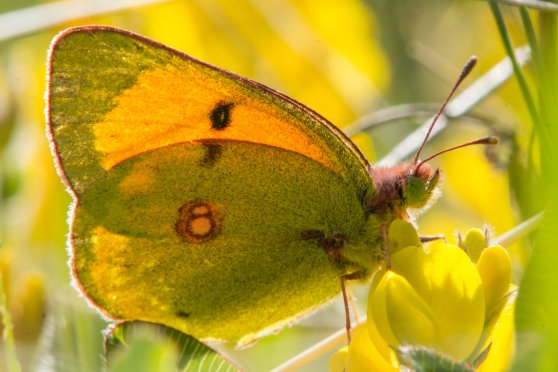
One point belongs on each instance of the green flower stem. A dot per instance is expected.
(531, 107)
(548, 79)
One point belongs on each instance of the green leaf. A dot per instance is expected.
(421, 359)
(143, 346)
(537, 302)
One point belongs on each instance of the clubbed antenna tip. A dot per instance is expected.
(467, 68)
(464, 72)
(488, 140)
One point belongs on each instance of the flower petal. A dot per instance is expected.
(451, 286)
(502, 340)
(475, 242)
(363, 355)
(377, 316)
(338, 361)
(402, 234)
(411, 320)
(494, 267)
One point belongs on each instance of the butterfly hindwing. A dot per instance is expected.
(216, 249)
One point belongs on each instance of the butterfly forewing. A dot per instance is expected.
(114, 94)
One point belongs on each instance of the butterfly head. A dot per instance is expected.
(413, 185)
(419, 188)
(402, 188)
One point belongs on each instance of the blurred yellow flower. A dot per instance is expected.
(25, 300)
(436, 299)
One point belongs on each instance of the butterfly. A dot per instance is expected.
(203, 200)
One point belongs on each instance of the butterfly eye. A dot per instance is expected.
(414, 192)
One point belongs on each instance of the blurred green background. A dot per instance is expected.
(344, 59)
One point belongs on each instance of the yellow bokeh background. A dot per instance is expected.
(343, 59)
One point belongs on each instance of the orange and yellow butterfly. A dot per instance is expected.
(206, 201)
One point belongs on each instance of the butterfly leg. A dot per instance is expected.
(352, 276)
(431, 238)
(385, 246)
(332, 245)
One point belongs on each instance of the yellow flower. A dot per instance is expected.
(360, 355)
(436, 299)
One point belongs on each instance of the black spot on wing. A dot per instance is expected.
(213, 152)
(220, 116)
(182, 314)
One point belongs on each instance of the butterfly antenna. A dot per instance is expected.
(489, 140)
(466, 70)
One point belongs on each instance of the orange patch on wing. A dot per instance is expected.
(201, 226)
(169, 106)
(115, 270)
(110, 250)
(139, 181)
